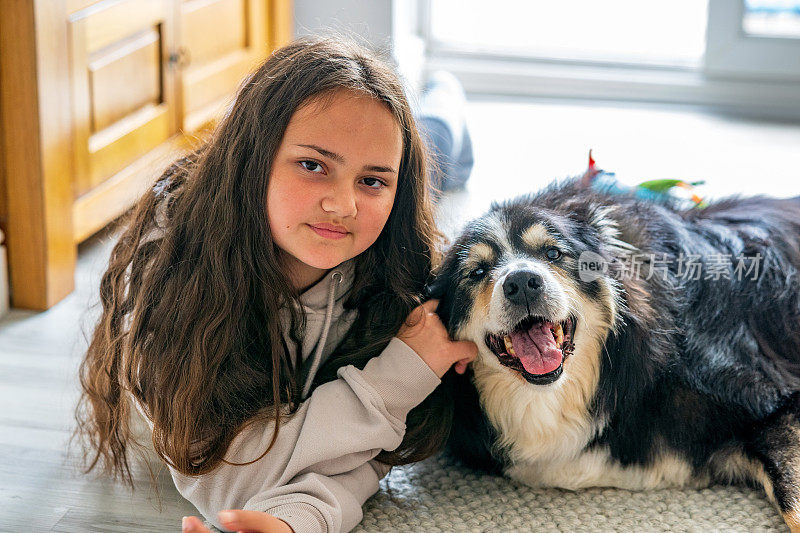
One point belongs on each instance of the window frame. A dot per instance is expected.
(731, 52)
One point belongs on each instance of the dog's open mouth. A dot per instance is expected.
(536, 347)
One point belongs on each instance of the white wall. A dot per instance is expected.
(369, 19)
(389, 26)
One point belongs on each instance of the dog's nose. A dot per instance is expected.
(522, 284)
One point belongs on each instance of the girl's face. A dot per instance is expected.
(333, 182)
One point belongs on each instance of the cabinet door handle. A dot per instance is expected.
(180, 58)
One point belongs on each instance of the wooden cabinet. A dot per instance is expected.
(123, 100)
(213, 65)
(96, 96)
(123, 103)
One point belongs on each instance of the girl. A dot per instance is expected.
(262, 308)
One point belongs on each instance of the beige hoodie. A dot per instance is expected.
(321, 469)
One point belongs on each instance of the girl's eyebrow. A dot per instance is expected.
(340, 159)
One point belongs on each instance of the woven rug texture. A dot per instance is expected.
(438, 495)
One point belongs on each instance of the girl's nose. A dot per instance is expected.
(340, 200)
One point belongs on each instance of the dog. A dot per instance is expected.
(618, 347)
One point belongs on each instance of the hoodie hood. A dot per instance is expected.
(315, 298)
(326, 319)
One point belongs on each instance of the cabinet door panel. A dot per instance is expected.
(125, 80)
(122, 97)
(213, 28)
(222, 40)
(106, 23)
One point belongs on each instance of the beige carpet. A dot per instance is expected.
(438, 495)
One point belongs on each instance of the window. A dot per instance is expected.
(738, 55)
(772, 18)
(627, 31)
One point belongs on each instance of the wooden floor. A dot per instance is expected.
(40, 487)
(519, 146)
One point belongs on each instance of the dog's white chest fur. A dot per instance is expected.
(546, 432)
(595, 468)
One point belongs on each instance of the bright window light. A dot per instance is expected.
(670, 32)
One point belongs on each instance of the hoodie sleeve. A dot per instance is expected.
(321, 469)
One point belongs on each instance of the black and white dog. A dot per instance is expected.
(629, 344)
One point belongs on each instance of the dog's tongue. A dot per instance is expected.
(536, 349)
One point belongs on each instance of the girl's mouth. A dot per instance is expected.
(328, 234)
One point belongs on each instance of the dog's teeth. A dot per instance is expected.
(559, 333)
(509, 346)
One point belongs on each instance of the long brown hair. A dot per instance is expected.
(191, 297)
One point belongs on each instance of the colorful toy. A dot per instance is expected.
(661, 190)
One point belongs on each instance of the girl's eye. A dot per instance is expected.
(553, 254)
(477, 273)
(311, 166)
(374, 183)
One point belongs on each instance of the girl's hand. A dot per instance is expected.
(242, 521)
(424, 333)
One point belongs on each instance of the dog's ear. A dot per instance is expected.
(598, 216)
(436, 287)
(441, 277)
(603, 219)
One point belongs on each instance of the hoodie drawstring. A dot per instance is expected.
(321, 345)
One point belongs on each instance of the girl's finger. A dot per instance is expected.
(252, 521)
(468, 348)
(431, 305)
(192, 524)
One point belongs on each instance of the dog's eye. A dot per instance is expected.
(553, 254)
(477, 273)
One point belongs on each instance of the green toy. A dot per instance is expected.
(660, 190)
